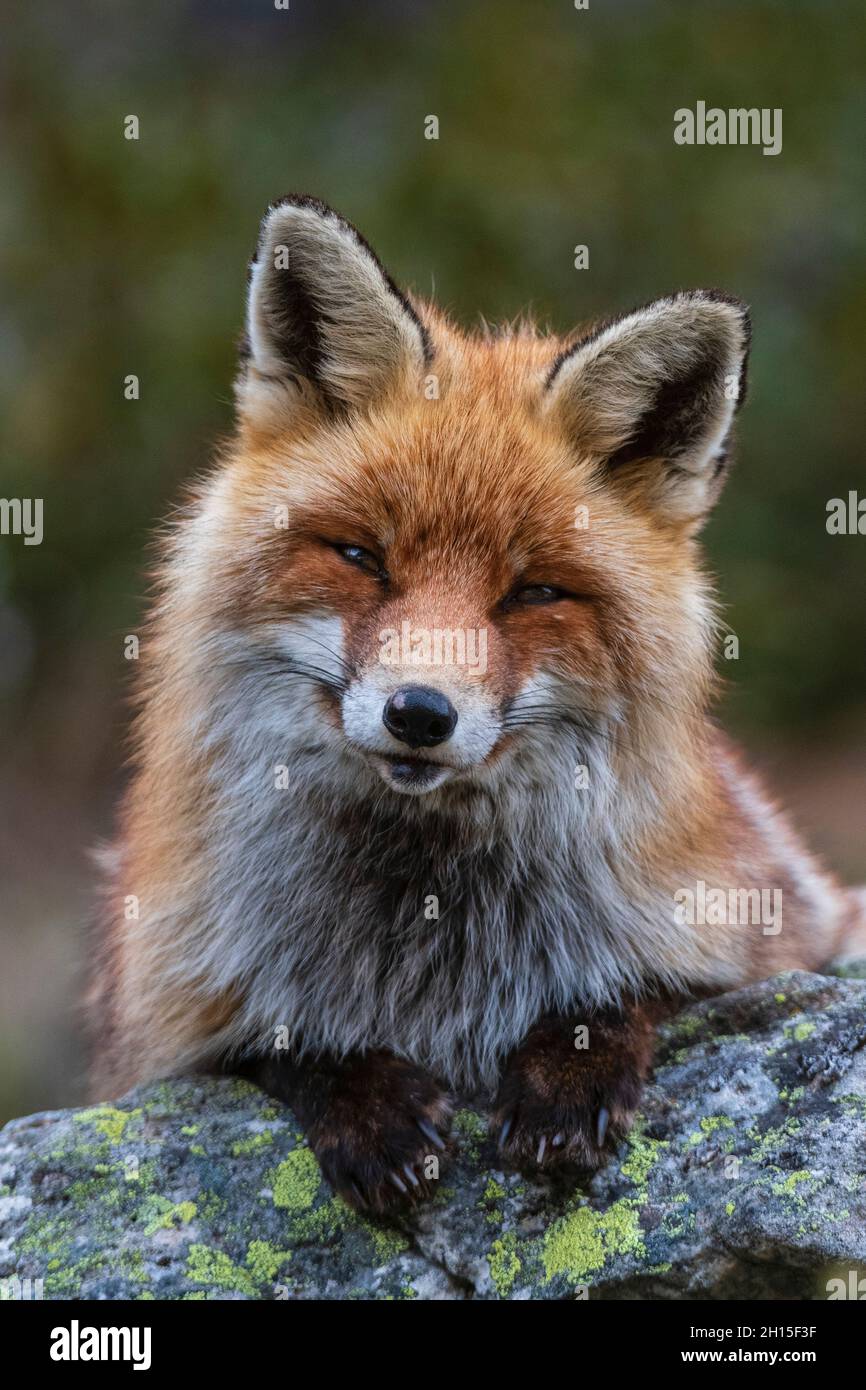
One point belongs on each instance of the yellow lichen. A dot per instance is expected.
(107, 1121)
(252, 1142)
(264, 1260)
(296, 1181)
(504, 1263)
(578, 1244)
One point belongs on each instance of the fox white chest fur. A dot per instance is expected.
(328, 844)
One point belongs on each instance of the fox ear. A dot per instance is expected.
(653, 395)
(323, 313)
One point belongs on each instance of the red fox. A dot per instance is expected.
(425, 781)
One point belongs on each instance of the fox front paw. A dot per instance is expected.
(562, 1104)
(380, 1138)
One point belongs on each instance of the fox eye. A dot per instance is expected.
(364, 559)
(535, 594)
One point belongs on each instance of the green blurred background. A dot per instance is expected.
(555, 129)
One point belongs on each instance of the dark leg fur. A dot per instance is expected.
(372, 1120)
(559, 1103)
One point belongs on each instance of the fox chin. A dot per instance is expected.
(425, 782)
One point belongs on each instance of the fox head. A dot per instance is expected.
(430, 560)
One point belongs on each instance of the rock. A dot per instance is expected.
(745, 1177)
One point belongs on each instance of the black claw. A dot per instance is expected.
(601, 1130)
(539, 1158)
(410, 1175)
(398, 1183)
(358, 1194)
(504, 1132)
(429, 1133)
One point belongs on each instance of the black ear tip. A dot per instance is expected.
(292, 200)
(733, 301)
(721, 297)
(694, 297)
(302, 200)
(288, 200)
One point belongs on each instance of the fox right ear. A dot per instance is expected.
(324, 319)
(652, 397)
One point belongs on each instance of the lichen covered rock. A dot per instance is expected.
(745, 1177)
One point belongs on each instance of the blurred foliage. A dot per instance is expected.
(555, 129)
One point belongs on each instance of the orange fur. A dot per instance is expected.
(467, 494)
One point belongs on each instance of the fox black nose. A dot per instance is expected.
(419, 716)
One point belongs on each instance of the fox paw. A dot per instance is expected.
(382, 1127)
(558, 1105)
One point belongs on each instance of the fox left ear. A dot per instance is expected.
(653, 395)
(325, 321)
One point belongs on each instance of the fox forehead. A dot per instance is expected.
(462, 484)
(477, 482)
(480, 448)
